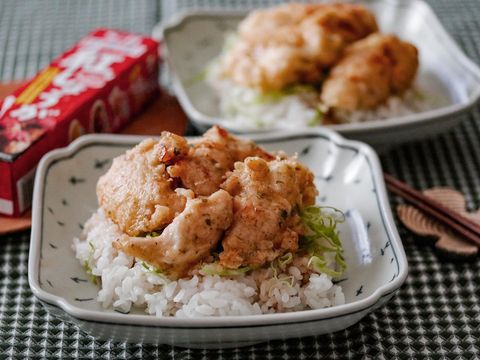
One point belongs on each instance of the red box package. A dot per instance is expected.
(95, 87)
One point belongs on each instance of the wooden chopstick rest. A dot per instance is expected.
(454, 220)
(448, 242)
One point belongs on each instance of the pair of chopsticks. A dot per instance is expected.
(452, 219)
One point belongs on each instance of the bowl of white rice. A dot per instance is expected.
(447, 83)
(133, 302)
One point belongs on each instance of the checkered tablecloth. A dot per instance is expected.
(436, 314)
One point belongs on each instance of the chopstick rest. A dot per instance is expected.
(447, 242)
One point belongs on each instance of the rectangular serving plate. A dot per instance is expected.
(348, 176)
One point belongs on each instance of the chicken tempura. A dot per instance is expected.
(294, 43)
(210, 158)
(175, 202)
(137, 193)
(369, 72)
(267, 199)
(187, 240)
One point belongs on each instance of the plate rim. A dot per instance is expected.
(363, 305)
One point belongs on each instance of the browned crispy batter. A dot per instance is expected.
(267, 198)
(257, 211)
(369, 72)
(294, 43)
(188, 239)
(137, 192)
(209, 159)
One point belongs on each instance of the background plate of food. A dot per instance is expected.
(384, 72)
(279, 245)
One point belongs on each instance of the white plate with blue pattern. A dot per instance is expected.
(348, 177)
(191, 40)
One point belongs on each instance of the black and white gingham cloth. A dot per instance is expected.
(436, 314)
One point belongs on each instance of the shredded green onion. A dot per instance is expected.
(151, 269)
(419, 95)
(152, 234)
(317, 118)
(88, 270)
(280, 263)
(284, 260)
(217, 269)
(288, 280)
(86, 264)
(269, 97)
(230, 40)
(272, 96)
(197, 78)
(87, 267)
(322, 241)
(259, 124)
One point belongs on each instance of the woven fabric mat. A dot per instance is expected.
(436, 314)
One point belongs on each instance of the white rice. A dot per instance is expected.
(125, 283)
(242, 107)
(411, 102)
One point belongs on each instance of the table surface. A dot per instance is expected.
(436, 314)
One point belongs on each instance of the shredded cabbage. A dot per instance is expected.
(322, 241)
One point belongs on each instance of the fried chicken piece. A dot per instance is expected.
(187, 240)
(137, 192)
(210, 158)
(369, 72)
(267, 199)
(293, 43)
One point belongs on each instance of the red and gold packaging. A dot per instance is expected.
(97, 86)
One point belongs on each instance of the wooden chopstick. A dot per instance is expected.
(460, 224)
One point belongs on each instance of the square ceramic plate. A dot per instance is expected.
(348, 176)
(192, 40)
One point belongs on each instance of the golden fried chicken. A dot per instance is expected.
(369, 72)
(293, 43)
(188, 239)
(137, 192)
(210, 158)
(267, 199)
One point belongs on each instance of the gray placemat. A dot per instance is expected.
(436, 314)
